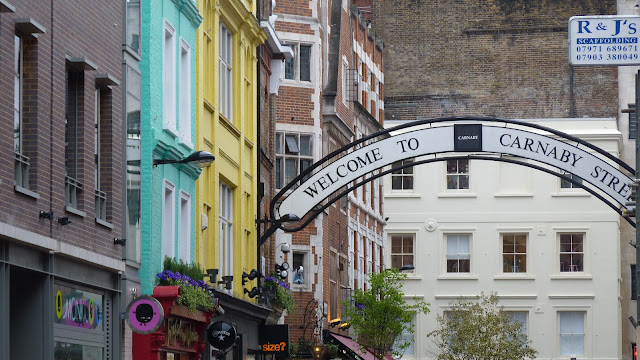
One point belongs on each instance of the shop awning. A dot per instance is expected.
(354, 347)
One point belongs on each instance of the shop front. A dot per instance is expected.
(55, 307)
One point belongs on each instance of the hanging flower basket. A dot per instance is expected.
(278, 293)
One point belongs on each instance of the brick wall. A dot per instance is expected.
(495, 58)
(78, 29)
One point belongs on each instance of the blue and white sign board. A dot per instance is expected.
(604, 40)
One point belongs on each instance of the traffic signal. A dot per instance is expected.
(635, 352)
(630, 211)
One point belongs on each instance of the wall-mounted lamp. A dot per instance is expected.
(344, 326)
(118, 241)
(64, 221)
(287, 218)
(199, 159)
(334, 323)
(227, 281)
(253, 293)
(250, 276)
(212, 274)
(282, 270)
(46, 214)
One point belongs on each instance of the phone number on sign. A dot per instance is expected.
(610, 48)
(587, 57)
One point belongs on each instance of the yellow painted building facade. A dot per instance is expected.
(226, 113)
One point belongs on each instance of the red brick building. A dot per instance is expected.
(330, 96)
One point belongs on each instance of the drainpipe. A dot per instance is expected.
(258, 146)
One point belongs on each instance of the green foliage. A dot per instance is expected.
(195, 294)
(195, 298)
(192, 270)
(480, 330)
(379, 315)
(281, 293)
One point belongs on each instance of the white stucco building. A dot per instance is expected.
(551, 252)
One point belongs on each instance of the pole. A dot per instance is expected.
(636, 218)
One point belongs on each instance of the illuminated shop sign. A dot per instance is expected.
(77, 308)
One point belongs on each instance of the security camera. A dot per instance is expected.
(286, 248)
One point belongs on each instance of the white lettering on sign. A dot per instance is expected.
(351, 167)
(604, 40)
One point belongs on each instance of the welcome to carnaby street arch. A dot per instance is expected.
(473, 137)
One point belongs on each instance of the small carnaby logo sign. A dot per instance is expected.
(467, 137)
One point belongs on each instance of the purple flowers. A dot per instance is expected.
(272, 281)
(169, 277)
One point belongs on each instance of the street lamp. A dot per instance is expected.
(199, 159)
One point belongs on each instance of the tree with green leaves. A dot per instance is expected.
(379, 315)
(480, 330)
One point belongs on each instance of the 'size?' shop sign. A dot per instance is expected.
(604, 40)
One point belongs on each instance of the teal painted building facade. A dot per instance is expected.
(167, 121)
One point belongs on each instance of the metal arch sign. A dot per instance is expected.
(469, 137)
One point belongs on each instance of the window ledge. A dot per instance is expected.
(458, 277)
(75, 211)
(170, 131)
(457, 195)
(187, 144)
(570, 194)
(514, 277)
(413, 277)
(403, 195)
(297, 83)
(513, 195)
(26, 191)
(301, 287)
(572, 277)
(104, 223)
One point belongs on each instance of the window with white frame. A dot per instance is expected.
(376, 194)
(458, 174)
(226, 73)
(169, 73)
(572, 332)
(226, 230)
(521, 318)
(402, 179)
(168, 220)
(407, 337)
(345, 82)
(514, 253)
(458, 253)
(360, 261)
(566, 184)
(294, 154)
(345, 290)
(333, 285)
(185, 93)
(572, 252)
(352, 273)
(184, 228)
(299, 67)
(402, 250)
